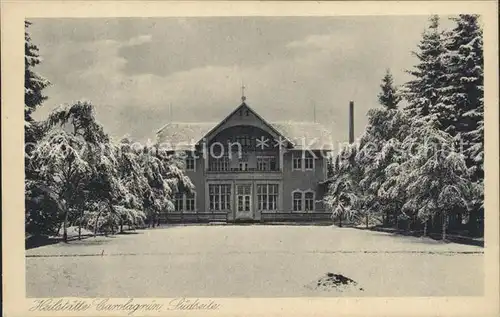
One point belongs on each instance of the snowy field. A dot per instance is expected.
(253, 261)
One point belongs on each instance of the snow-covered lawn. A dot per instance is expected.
(255, 261)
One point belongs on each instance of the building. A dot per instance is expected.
(247, 169)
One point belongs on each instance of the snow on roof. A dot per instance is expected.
(304, 135)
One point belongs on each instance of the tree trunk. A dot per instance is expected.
(366, 220)
(121, 226)
(340, 221)
(96, 227)
(65, 226)
(425, 227)
(443, 235)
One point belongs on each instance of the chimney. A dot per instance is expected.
(351, 121)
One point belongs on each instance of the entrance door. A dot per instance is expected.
(244, 201)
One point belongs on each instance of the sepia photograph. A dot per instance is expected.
(198, 158)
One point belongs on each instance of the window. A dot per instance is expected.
(219, 197)
(303, 161)
(243, 162)
(219, 164)
(297, 161)
(309, 201)
(266, 163)
(178, 202)
(185, 202)
(244, 140)
(308, 161)
(297, 201)
(190, 202)
(190, 163)
(267, 196)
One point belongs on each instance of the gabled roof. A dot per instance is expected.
(244, 106)
(301, 135)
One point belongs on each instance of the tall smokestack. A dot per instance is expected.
(351, 121)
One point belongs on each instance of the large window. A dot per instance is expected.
(219, 196)
(267, 196)
(266, 163)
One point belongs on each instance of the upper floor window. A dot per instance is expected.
(266, 163)
(219, 164)
(303, 161)
(244, 140)
(297, 161)
(190, 163)
(308, 161)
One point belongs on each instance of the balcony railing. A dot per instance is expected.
(247, 170)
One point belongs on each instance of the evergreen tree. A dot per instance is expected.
(464, 90)
(422, 92)
(33, 86)
(464, 93)
(389, 96)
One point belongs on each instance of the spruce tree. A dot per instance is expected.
(389, 96)
(422, 92)
(464, 89)
(464, 93)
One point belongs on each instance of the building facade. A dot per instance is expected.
(247, 169)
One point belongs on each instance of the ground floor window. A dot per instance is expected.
(267, 196)
(303, 201)
(219, 196)
(297, 201)
(190, 202)
(309, 201)
(184, 202)
(178, 202)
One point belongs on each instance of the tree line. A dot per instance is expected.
(76, 175)
(421, 166)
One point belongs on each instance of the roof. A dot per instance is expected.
(304, 135)
(247, 107)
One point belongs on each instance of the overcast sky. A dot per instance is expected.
(132, 69)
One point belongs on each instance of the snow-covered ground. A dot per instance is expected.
(255, 261)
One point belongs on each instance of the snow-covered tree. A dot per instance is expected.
(389, 96)
(464, 93)
(34, 84)
(434, 175)
(422, 92)
(70, 155)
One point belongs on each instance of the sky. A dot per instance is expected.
(141, 73)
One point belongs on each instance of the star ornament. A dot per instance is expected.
(262, 142)
(280, 142)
